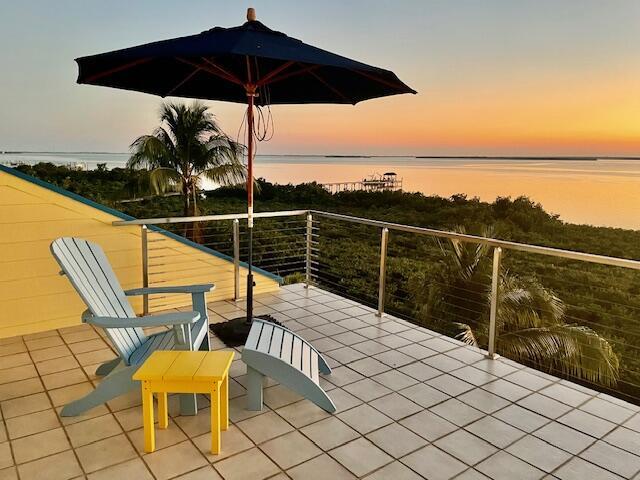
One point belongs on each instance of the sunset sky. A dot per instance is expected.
(508, 77)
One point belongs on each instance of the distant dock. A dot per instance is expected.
(387, 182)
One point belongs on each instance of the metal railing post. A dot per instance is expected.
(236, 260)
(145, 268)
(495, 279)
(383, 270)
(307, 276)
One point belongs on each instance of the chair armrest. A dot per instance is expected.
(165, 319)
(180, 289)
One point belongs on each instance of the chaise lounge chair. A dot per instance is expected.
(275, 351)
(87, 268)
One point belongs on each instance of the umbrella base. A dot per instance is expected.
(235, 331)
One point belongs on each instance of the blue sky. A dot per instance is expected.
(494, 76)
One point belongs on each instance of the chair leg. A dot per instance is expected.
(107, 367)
(115, 384)
(205, 343)
(254, 389)
(188, 404)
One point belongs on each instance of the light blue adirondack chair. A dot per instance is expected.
(87, 268)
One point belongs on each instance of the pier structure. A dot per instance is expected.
(386, 182)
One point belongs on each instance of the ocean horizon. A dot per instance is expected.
(599, 191)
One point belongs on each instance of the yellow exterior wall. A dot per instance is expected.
(35, 298)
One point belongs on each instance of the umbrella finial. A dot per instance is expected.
(251, 14)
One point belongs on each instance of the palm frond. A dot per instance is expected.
(466, 334)
(164, 180)
(149, 151)
(570, 350)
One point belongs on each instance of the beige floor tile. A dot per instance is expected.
(56, 467)
(56, 365)
(360, 457)
(194, 425)
(279, 396)
(10, 340)
(38, 335)
(32, 423)
(13, 348)
(47, 342)
(320, 468)
(21, 388)
(105, 453)
(204, 473)
(16, 360)
(302, 413)
(96, 356)
(131, 399)
(63, 379)
(64, 395)
(23, 405)
(132, 469)
(10, 473)
(73, 337)
(232, 442)
(50, 353)
(8, 375)
(89, 431)
(252, 464)
(290, 449)
(130, 418)
(238, 409)
(39, 445)
(330, 433)
(87, 346)
(90, 371)
(6, 460)
(164, 437)
(174, 460)
(264, 427)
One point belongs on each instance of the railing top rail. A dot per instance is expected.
(206, 218)
(523, 247)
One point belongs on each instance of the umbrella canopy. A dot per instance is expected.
(219, 64)
(249, 64)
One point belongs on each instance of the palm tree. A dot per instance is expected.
(530, 322)
(186, 148)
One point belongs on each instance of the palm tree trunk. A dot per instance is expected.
(192, 230)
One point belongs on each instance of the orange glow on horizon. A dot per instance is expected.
(566, 116)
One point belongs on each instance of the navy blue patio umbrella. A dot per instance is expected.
(249, 64)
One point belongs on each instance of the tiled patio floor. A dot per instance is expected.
(411, 404)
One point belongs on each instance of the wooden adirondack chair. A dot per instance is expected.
(87, 268)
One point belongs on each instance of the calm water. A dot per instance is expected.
(603, 192)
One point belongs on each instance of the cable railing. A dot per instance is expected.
(572, 314)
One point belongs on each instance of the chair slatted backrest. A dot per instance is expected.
(282, 343)
(88, 269)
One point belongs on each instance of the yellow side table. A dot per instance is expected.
(178, 371)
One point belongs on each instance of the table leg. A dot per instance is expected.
(215, 418)
(163, 412)
(147, 418)
(224, 403)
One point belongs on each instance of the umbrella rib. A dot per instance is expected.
(383, 82)
(230, 76)
(273, 73)
(210, 70)
(182, 82)
(332, 88)
(120, 68)
(294, 74)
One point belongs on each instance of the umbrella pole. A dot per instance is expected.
(250, 100)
